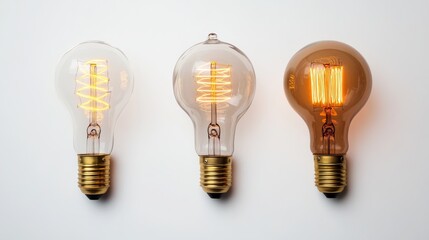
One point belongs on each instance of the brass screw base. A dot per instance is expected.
(215, 174)
(94, 174)
(331, 174)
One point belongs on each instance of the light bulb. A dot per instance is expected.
(327, 83)
(95, 82)
(214, 82)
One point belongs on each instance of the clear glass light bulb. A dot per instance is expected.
(95, 82)
(327, 83)
(214, 82)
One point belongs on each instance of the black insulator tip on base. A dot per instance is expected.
(94, 197)
(215, 195)
(331, 195)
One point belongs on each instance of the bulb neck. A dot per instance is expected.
(94, 174)
(330, 174)
(215, 175)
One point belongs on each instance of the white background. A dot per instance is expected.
(155, 192)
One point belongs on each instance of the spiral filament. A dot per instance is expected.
(92, 88)
(326, 85)
(214, 83)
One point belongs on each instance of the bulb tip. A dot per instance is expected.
(94, 197)
(215, 195)
(331, 195)
(212, 36)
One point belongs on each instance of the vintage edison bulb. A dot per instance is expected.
(94, 81)
(214, 82)
(327, 83)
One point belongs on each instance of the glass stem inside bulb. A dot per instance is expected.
(213, 129)
(327, 93)
(214, 90)
(94, 129)
(328, 131)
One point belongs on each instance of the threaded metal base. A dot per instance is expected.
(330, 174)
(94, 174)
(215, 174)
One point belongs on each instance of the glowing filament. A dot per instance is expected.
(214, 83)
(92, 87)
(326, 85)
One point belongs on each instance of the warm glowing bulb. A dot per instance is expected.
(95, 83)
(327, 83)
(214, 83)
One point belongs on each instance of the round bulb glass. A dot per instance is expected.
(214, 82)
(327, 83)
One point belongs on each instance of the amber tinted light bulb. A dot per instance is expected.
(327, 83)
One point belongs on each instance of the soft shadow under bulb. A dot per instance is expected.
(327, 83)
(94, 81)
(214, 83)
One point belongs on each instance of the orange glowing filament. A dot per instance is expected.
(92, 87)
(214, 83)
(326, 85)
